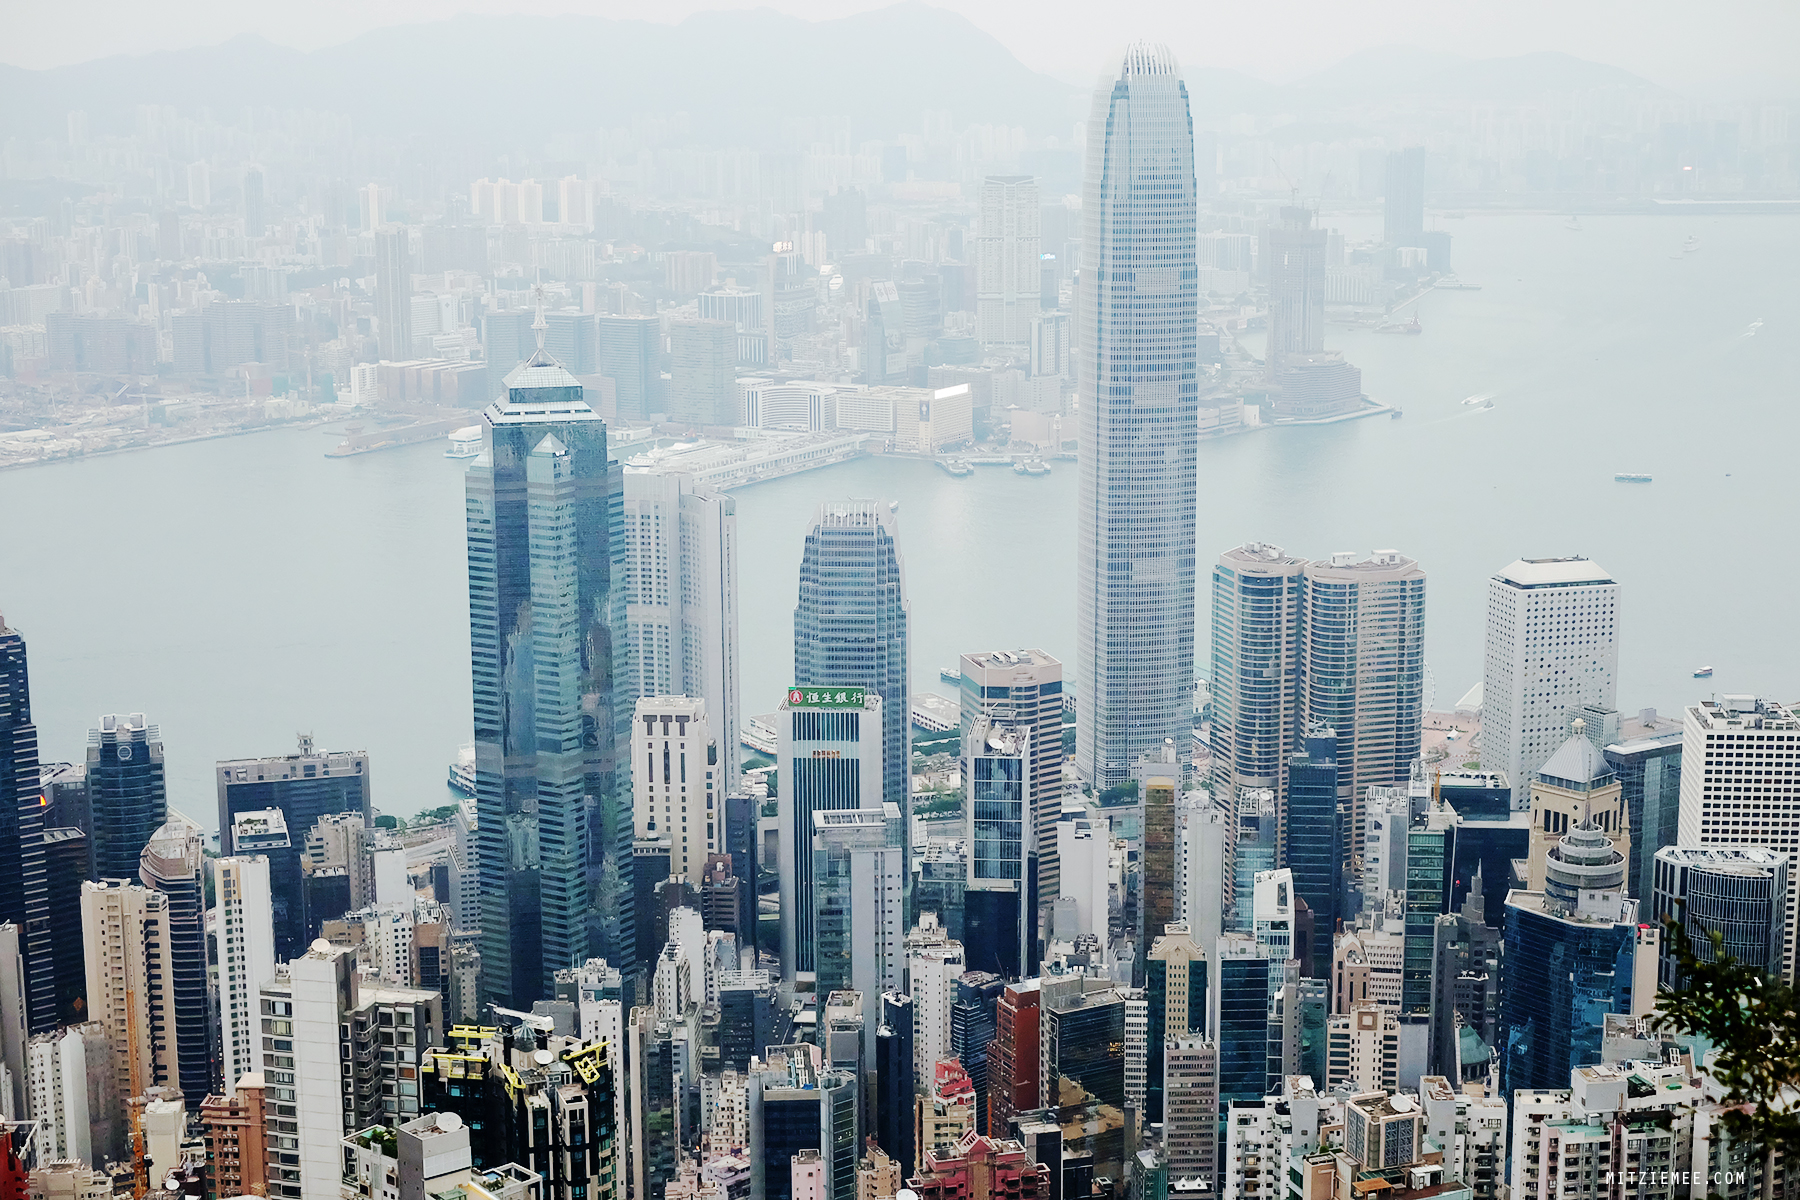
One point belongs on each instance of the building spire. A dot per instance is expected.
(538, 326)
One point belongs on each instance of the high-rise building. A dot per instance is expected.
(1738, 892)
(1430, 862)
(369, 208)
(1363, 1048)
(631, 356)
(1203, 870)
(546, 623)
(1311, 839)
(1364, 653)
(73, 1096)
(1006, 254)
(934, 962)
(703, 373)
(973, 1022)
(1552, 645)
(1649, 770)
(130, 984)
(829, 742)
(895, 1074)
(1025, 688)
(244, 941)
(1243, 978)
(788, 299)
(797, 1104)
(24, 897)
(681, 598)
(1295, 254)
(999, 901)
(65, 869)
(1013, 1062)
(1160, 785)
(677, 781)
(859, 907)
(393, 292)
(1465, 1012)
(884, 335)
(235, 1133)
(1570, 958)
(1739, 787)
(171, 863)
(1083, 1060)
(1574, 786)
(1175, 991)
(254, 220)
(1403, 203)
(851, 624)
(1256, 666)
(1190, 1106)
(1139, 396)
(127, 793)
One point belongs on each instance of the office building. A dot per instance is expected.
(1294, 252)
(788, 300)
(1739, 787)
(1430, 861)
(1082, 910)
(884, 336)
(1738, 892)
(1649, 771)
(1243, 979)
(1575, 785)
(974, 1014)
(1025, 688)
(393, 292)
(1403, 201)
(127, 794)
(1083, 1063)
(829, 745)
(1256, 666)
(895, 1077)
(852, 623)
(546, 625)
(677, 781)
(1465, 984)
(1363, 645)
(1159, 782)
(1006, 256)
(934, 962)
(24, 897)
(1139, 400)
(681, 599)
(999, 902)
(130, 981)
(703, 373)
(796, 1104)
(171, 863)
(244, 941)
(62, 969)
(1204, 834)
(1363, 1049)
(1570, 958)
(1014, 1085)
(1190, 1106)
(631, 356)
(859, 907)
(1311, 840)
(1552, 645)
(1255, 850)
(1175, 978)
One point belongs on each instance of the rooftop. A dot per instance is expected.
(1552, 572)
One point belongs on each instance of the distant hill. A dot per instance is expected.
(736, 75)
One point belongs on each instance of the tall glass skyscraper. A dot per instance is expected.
(1256, 667)
(851, 623)
(1138, 304)
(127, 794)
(171, 863)
(544, 512)
(23, 895)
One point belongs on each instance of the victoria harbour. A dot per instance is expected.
(243, 589)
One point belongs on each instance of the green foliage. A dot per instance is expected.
(1753, 1020)
(770, 809)
(433, 816)
(1124, 793)
(939, 803)
(387, 821)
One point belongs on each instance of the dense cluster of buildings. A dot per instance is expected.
(1271, 949)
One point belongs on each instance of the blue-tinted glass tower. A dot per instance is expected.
(1140, 395)
(1649, 771)
(544, 510)
(23, 896)
(127, 794)
(1312, 851)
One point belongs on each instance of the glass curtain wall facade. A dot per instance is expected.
(544, 510)
(1649, 771)
(1138, 307)
(1312, 851)
(23, 884)
(127, 793)
(997, 935)
(1256, 597)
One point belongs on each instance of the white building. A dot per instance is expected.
(1262, 1135)
(1137, 1046)
(1740, 786)
(934, 962)
(1008, 267)
(72, 1095)
(1552, 645)
(798, 404)
(1082, 851)
(1362, 1048)
(244, 940)
(678, 782)
(1202, 841)
(130, 981)
(1272, 908)
(681, 605)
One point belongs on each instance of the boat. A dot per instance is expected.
(465, 442)
(462, 772)
(1754, 326)
(1037, 466)
(1573, 225)
(758, 735)
(1702, 672)
(1395, 414)
(1631, 477)
(955, 467)
(1692, 244)
(950, 674)
(1411, 326)
(1451, 283)
(1475, 401)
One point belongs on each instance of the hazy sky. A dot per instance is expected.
(1735, 45)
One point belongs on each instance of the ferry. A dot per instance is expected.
(462, 772)
(1451, 283)
(758, 735)
(1031, 466)
(1411, 326)
(955, 467)
(1692, 244)
(1703, 673)
(1395, 413)
(951, 675)
(1631, 477)
(465, 442)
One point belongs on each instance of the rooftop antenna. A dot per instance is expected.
(538, 326)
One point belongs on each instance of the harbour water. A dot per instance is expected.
(242, 589)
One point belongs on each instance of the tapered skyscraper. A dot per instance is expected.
(850, 625)
(1139, 395)
(543, 510)
(24, 898)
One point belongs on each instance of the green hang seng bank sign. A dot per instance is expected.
(825, 697)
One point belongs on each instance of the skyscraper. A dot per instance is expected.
(677, 782)
(254, 221)
(23, 884)
(1552, 645)
(1403, 205)
(703, 373)
(1739, 787)
(998, 901)
(1738, 892)
(393, 292)
(859, 908)
(171, 863)
(1139, 396)
(245, 941)
(1363, 645)
(1310, 846)
(1256, 596)
(884, 335)
(1007, 245)
(1295, 253)
(544, 510)
(1649, 769)
(681, 598)
(829, 747)
(1175, 988)
(851, 623)
(127, 793)
(130, 986)
(1025, 688)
